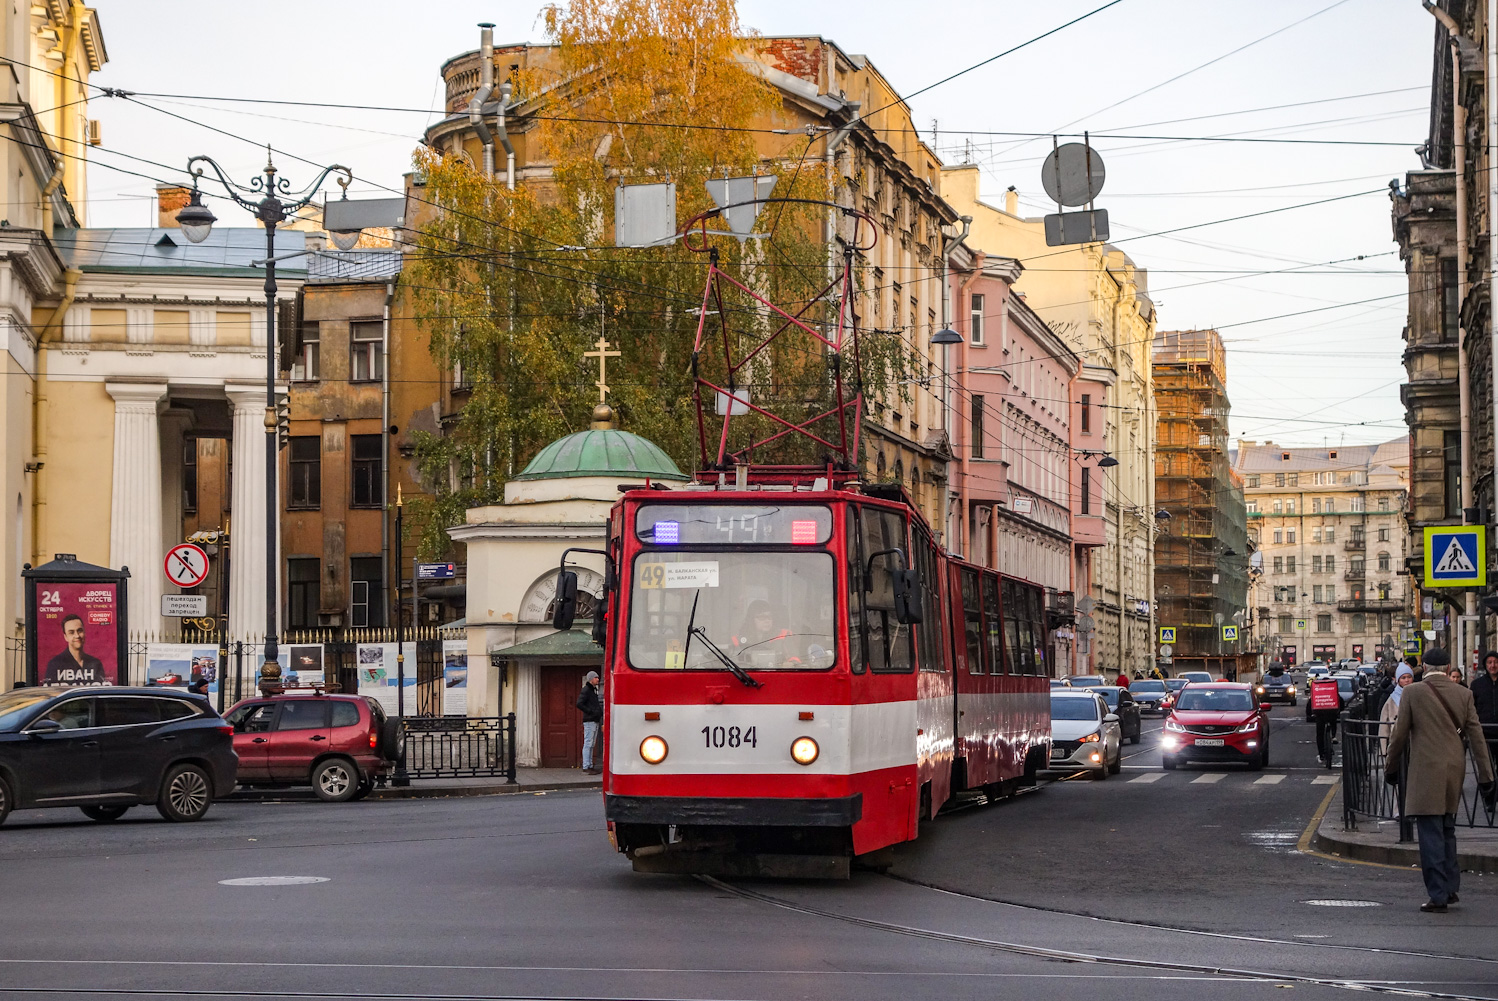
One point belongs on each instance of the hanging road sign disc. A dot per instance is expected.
(186, 565)
(1072, 174)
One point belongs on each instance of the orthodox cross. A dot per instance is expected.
(603, 354)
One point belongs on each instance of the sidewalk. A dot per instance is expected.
(1378, 841)
(528, 780)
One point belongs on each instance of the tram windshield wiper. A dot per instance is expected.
(725, 660)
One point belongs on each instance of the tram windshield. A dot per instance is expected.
(766, 611)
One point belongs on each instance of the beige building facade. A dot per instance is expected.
(1096, 300)
(1329, 525)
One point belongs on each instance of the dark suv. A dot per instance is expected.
(338, 744)
(1276, 686)
(106, 749)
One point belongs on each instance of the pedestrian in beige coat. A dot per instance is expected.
(1433, 717)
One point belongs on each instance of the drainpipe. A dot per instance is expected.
(1464, 375)
(51, 332)
(385, 436)
(504, 135)
(486, 86)
(47, 191)
(1118, 539)
(979, 259)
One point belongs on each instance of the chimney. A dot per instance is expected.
(1011, 201)
(170, 199)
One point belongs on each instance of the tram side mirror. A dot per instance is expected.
(565, 609)
(907, 597)
(599, 626)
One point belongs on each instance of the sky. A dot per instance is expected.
(1309, 300)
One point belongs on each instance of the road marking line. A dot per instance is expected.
(1148, 777)
(1269, 780)
(1326, 780)
(1208, 778)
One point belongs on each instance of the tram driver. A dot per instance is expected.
(761, 641)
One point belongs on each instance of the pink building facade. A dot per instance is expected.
(1026, 434)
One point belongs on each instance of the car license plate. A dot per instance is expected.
(1210, 742)
(1057, 752)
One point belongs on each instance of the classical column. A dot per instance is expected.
(247, 516)
(174, 425)
(135, 498)
(527, 715)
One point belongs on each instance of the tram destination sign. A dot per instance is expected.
(734, 524)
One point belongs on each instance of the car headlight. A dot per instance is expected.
(804, 750)
(1260, 689)
(1171, 724)
(653, 749)
(1248, 727)
(1291, 689)
(1091, 738)
(1169, 742)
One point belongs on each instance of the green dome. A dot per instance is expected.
(606, 452)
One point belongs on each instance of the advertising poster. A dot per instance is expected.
(378, 674)
(455, 677)
(303, 665)
(174, 665)
(76, 633)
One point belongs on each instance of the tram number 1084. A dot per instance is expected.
(729, 736)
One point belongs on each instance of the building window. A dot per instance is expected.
(1383, 562)
(1279, 479)
(1315, 506)
(1451, 304)
(1284, 624)
(1359, 622)
(1316, 593)
(1253, 507)
(1315, 535)
(1331, 536)
(1331, 564)
(1316, 565)
(305, 489)
(1383, 535)
(366, 592)
(1383, 592)
(1278, 536)
(1086, 489)
(1087, 413)
(1453, 455)
(977, 444)
(190, 476)
(975, 325)
(1329, 506)
(1290, 536)
(368, 484)
(1331, 593)
(1324, 622)
(306, 366)
(1279, 564)
(1253, 481)
(366, 353)
(1383, 503)
(1289, 564)
(1290, 506)
(1279, 506)
(1357, 504)
(1294, 479)
(301, 591)
(1358, 566)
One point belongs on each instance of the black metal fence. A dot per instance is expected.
(459, 747)
(1365, 794)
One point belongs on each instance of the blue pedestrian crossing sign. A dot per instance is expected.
(1456, 556)
(1167, 634)
(1229, 633)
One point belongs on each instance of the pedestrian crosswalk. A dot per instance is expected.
(1269, 780)
(1237, 777)
(1207, 778)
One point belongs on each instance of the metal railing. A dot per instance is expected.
(1366, 794)
(460, 747)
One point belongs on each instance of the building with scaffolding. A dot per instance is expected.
(1202, 547)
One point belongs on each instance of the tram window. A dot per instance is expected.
(993, 636)
(929, 632)
(972, 622)
(855, 595)
(889, 642)
(767, 611)
(1036, 618)
(1012, 616)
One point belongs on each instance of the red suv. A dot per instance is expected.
(1216, 722)
(338, 744)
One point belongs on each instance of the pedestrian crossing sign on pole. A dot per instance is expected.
(1456, 556)
(1167, 634)
(1300, 625)
(1229, 633)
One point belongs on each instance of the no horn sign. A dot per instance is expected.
(1456, 556)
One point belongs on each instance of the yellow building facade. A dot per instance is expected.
(1096, 299)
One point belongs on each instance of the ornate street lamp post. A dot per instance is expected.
(271, 200)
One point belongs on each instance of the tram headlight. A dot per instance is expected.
(653, 749)
(804, 750)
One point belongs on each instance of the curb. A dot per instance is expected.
(1397, 855)
(406, 792)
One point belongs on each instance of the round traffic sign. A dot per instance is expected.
(186, 565)
(1166, 649)
(1072, 174)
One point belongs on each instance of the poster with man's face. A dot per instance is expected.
(75, 633)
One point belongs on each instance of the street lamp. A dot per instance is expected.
(276, 202)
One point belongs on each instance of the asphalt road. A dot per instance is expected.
(1183, 889)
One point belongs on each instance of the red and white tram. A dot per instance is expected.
(797, 677)
(796, 674)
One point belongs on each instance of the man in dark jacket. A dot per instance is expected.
(591, 707)
(1485, 695)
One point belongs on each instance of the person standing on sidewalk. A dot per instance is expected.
(591, 706)
(1433, 717)
(1485, 696)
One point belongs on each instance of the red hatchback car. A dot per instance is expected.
(1216, 722)
(338, 744)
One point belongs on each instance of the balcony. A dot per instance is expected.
(1355, 545)
(1370, 605)
(1357, 573)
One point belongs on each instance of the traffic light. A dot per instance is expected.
(283, 419)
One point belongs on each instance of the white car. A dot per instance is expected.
(1084, 734)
